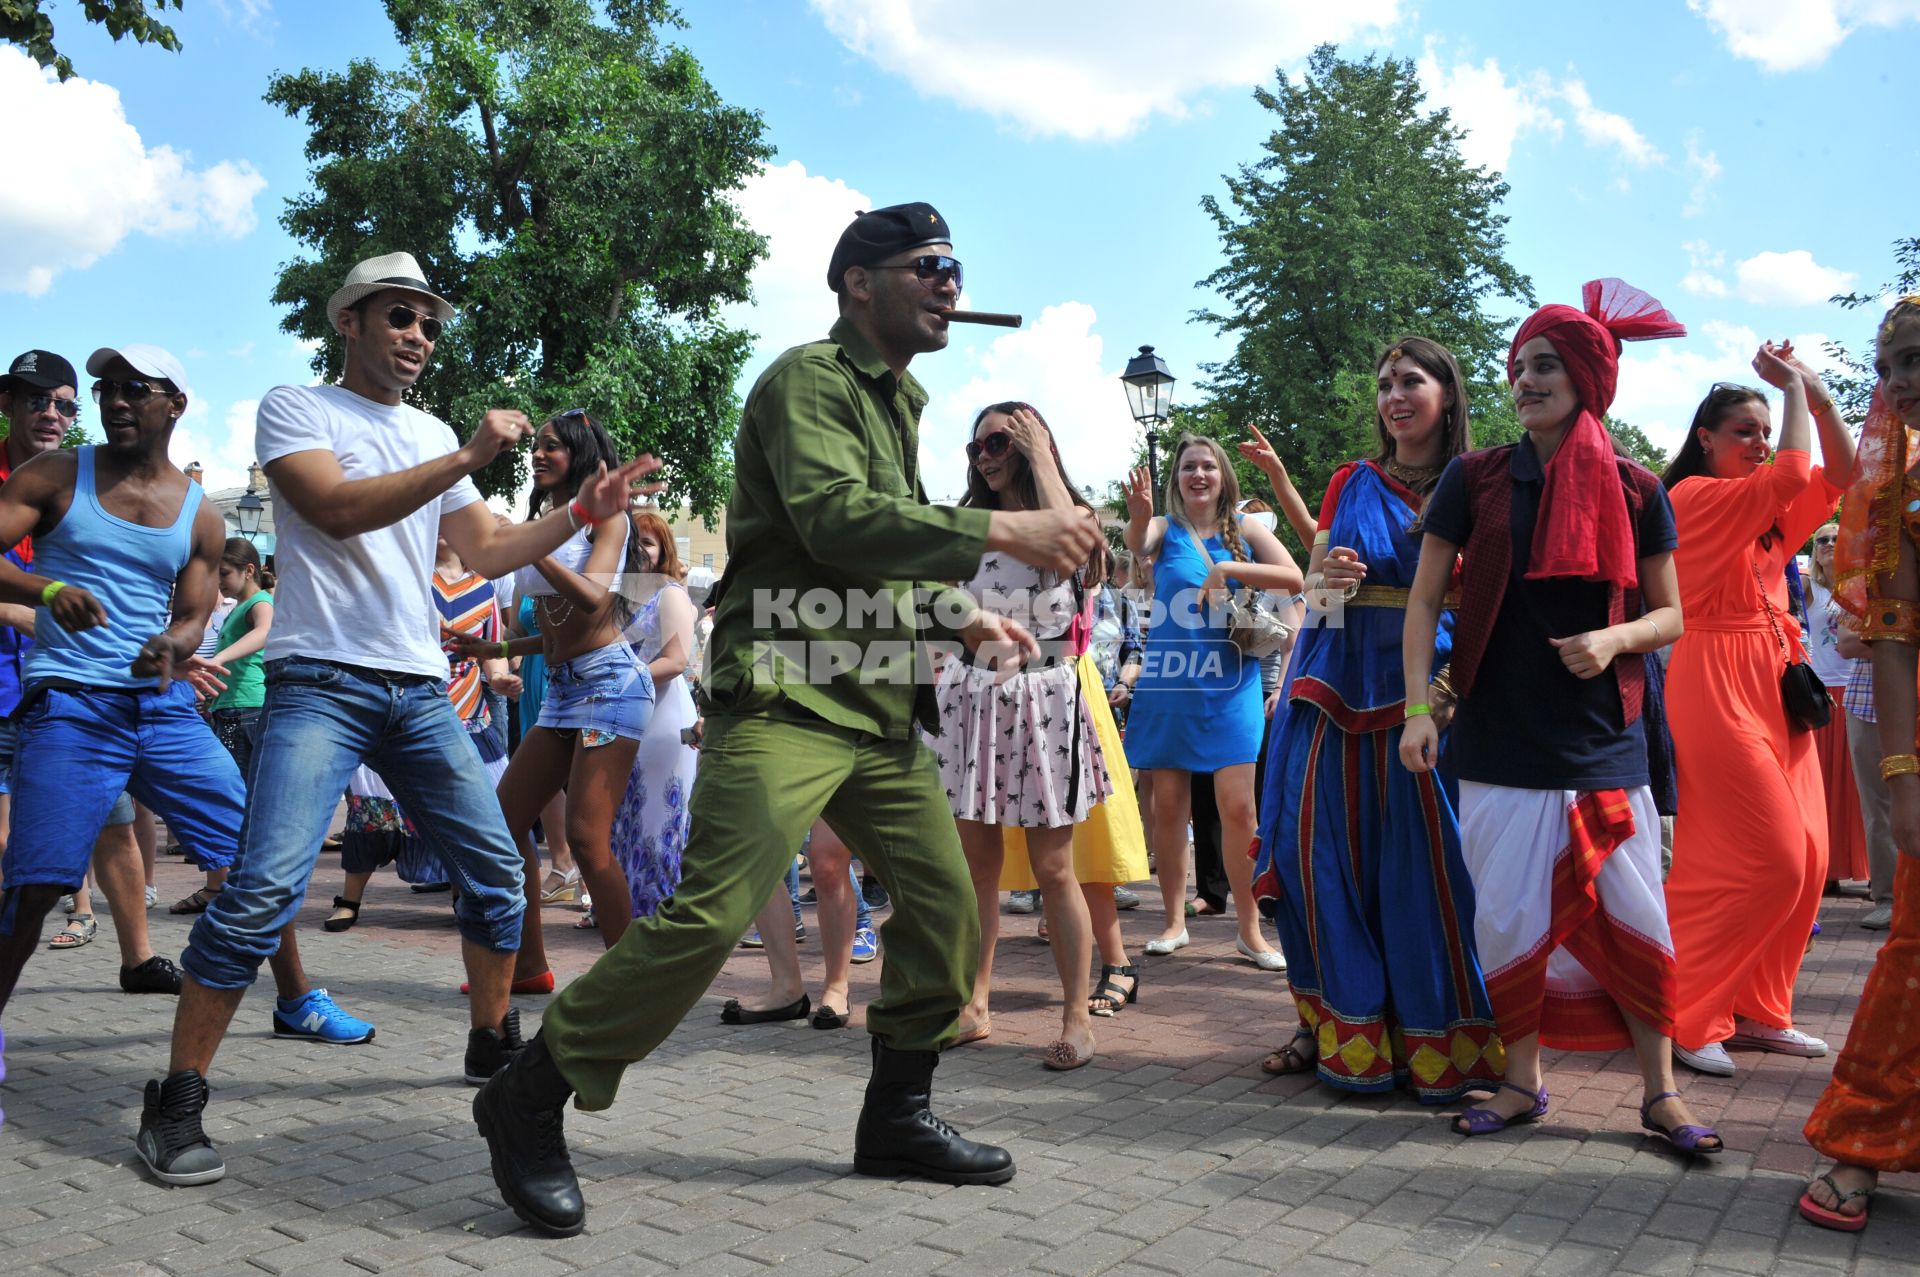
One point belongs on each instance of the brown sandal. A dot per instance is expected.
(978, 1033)
(1293, 1058)
(197, 902)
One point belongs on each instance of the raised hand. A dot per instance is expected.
(499, 429)
(1140, 494)
(607, 493)
(1772, 363)
(1030, 435)
(1260, 452)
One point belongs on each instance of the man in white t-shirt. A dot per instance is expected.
(362, 485)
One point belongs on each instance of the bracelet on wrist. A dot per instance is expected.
(578, 513)
(1415, 711)
(49, 590)
(1899, 765)
(503, 649)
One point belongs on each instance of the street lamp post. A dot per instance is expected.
(1150, 398)
(248, 510)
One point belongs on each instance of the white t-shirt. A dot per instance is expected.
(1823, 636)
(366, 600)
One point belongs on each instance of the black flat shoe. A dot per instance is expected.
(734, 1013)
(828, 1018)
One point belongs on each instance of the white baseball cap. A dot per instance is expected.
(150, 361)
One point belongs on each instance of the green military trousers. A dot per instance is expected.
(762, 783)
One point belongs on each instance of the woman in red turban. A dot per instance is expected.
(1566, 581)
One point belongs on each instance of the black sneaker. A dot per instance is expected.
(170, 1141)
(874, 894)
(488, 1050)
(155, 975)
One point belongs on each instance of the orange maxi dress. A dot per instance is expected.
(1750, 839)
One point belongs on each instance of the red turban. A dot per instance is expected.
(1582, 531)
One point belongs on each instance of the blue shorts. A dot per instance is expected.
(605, 693)
(86, 747)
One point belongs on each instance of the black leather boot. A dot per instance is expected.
(519, 1113)
(899, 1135)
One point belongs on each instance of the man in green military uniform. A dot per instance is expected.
(816, 678)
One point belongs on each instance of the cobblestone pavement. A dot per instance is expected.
(728, 1151)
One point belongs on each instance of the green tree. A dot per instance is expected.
(1852, 389)
(1633, 440)
(1360, 222)
(562, 175)
(25, 23)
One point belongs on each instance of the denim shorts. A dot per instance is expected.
(82, 748)
(606, 693)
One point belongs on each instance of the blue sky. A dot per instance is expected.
(1740, 159)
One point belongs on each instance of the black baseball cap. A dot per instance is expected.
(41, 369)
(876, 236)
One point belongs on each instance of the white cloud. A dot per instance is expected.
(1789, 279)
(1702, 262)
(1493, 110)
(225, 450)
(111, 184)
(1085, 71)
(1791, 35)
(1058, 364)
(1706, 170)
(802, 216)
(1605, 129)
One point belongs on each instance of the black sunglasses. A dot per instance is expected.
(997, 444)
(68, 408)
(400, 318)
(933, 269)
(1824, 540)
(133, 390)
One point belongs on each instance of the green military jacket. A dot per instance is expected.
(829, 537)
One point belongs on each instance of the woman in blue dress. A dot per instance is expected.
(1359, 859)
(1197, 704)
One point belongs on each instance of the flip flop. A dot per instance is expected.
(734, 1013)
(1829, 1216)
(68, 938)
(1686, 1137)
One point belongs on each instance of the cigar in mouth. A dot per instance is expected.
(980, 317)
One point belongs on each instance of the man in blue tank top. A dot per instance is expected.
(126, 556)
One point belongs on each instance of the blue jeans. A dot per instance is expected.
(320, 721)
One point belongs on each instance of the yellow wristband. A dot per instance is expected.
(503, 649)
(1899, 765)
(52, 588)
(1414, 711)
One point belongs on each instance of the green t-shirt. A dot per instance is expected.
(246, 680)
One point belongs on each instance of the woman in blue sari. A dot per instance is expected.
(1359, 859)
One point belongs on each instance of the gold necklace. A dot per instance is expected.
(1415, 478)
(548, 615)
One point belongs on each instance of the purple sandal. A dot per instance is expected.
(1480, 1121)
(1685, 1137)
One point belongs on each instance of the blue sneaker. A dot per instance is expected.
(866, 945)
(315, 1018)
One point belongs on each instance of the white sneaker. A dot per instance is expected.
(1764, 1037)
(1711, 1059)
(1878, 918)
(153, 897)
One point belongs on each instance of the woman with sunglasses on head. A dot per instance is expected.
(1749, 858)
(1030, 760)
(1827, 622)
(598, 700)
(1198, 704)
(1359, 859)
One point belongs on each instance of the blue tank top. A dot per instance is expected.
(130, 568)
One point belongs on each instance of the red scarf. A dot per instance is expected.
(1583, 531)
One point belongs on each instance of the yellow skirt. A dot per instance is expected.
(1110, 845)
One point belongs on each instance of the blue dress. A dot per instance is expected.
(1358, 861)
(1197, 706)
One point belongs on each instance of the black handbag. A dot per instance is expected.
(1809, 707)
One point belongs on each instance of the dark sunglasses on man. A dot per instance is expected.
(400, 318)
(995, 445)
(134, 390)
(68, 408)
(933, 269)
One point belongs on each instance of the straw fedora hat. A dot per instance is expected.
(377, 274)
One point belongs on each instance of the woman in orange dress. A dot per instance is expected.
(1750, 840)
(1868, 1119)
